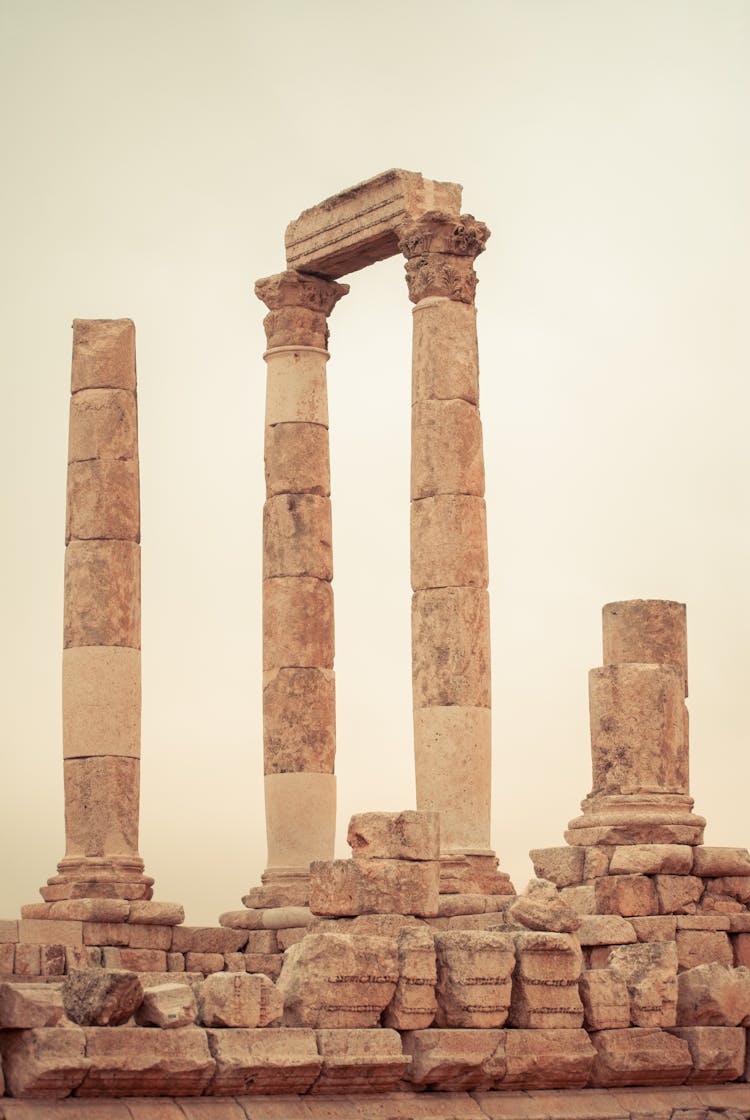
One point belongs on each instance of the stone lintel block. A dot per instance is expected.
(718, 1053)
(703, 946)
(605, 998)
(103, 425)
(174, 1063)
(716, 862)
(454, 1060)
(446, 449)
(297, 536)
(678, 894)
(359, 226)
(359, 1060)
(147, 912)
(299, 721)
(648, 631)
(300, 823)
(547, 1058)
(103, 354)
(208, 939)
(297, 623)
(408, 835)
(605, 929)
(43, 931)
(101, 806)
(386, 886)
(639, 1056)
(451, 647)
(651, 859)
(103, 500)
(453, 760)
(297, 460)
(628, 895)
(296, 389)
(561, 866)
(638, 729)
(445, 360)
(101, 702)
(102, 594)
(44, 1062)
(23, 1006)
(284, 1060)
(449, 542)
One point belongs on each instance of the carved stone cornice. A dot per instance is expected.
(298, 289)
(440, 250)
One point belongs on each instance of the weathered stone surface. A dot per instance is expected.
(27, 960)
(651, 859)
(711, 921)
(297, 460)
(639, 1056)
(713, 995)
(449, 542)
(452, 749)
(338, 980)
(101, 997)
(730, 887)
(297, 536)
(102, 594)
(403, 835)
(103, 426)
(81, 957)
(547, 1059)
(287, 918)
(596, 861)
(562, 866)
(103, 500)
(414, 1002)
(167, 1006)
(650, 973)
(156, 913)
(742, 950)
(445, 362)
(207, 939)
(30, 1005)
(90, 911)
(171, 1063)
(233, 999)
(449, 1060)
(539, 912)
(290, 798)
(242, 919)
(341, 887)
(296, 382)
(450, 647)
(284, 1060)
(103, 354)
(702, 946)
(545, 982)
(101, 805)
(101, 703)
(649, 631)
(581, 899)
(474, 970)
(627, 895)
(716, 862)
(678, 894)
(357, 1061)
(717, 1053)
(605, 929)
(446, 449)
(299, 720)
(40, 931)
(544, 957)
(45, 1062)
(605, 998)
(297, 623)
(655, 928)
(150, 937)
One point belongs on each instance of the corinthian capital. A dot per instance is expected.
(297, 289)
(440, 249)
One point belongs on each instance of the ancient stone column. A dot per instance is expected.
(299, 726)
(449, 572)
(102, 622)
(639, 731)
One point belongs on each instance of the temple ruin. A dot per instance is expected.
(411, 981)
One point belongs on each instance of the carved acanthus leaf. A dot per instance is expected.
(296, 326)
(439, 274)
(438, 232)
(298, 289)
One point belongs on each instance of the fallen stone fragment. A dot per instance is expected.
(474, 971)
(284, 1060)
(562, 866)
(101, 997)
(123, 1063)
(546, 1059)
(30, 1005)
(650, 974)
(338, 980)
(45, 1062)
(359, 1061)
(539, 913)
(718, 1053)
(639, 1056)
(713, 995)
(167, 1006)
(414, 1002)
(605, 998)
(453, 1060)
(239, 999)
(406, 835)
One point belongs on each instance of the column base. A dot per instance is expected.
(473, 872)
(97, 877)
(636, 818)
(281, 886)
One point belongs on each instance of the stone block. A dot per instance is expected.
(297, 623)
(414, 1001)
(296, 390)
(713, 921)
(561, 866)
(81, 957)
(407, 835)
(445, 362)
(341, 887)
(452, 748)
(581, 899)
(649, 631)
(451, 905)
(730, 887)
(291, 798)
(156, 913)
(639, 1056)
(8, 931)
(101, 997)
(103, 500)
(547, 1059)
(175, 962)
(7, 954)
(167, 1006)
(267, 963)
(297, 536)
(359, 1061)
(151, 937)
(449, 1060)
(231, 999)
(605, 929)
(207, 963)
(52, 960)
(284, 1060)
(717, 1053)
(106, 933)
(289, 937)
(40, 931)
(299, 720)
(741, 949)
(474, 970)
(27, 960)
(103, 354)
(171, 1063)
(87, 910)
(717, 862)
(544, 912)
(655, 928)
(702, 946)
(678, 894)
(143, 960)
(338, 980)
(446, 449)
(287, 918)
(628, 895)
(450, 647)
(101, 702)
(449, 542)
(605, 998)
(713, 995)
(262, 941)
(101, 806)
(547, 957)
(650, 974)
(545, 982)
(242, 919)
(103, 425)
(23, 1006)
(102, 594)
(44, 1062)
(297, 460)
(207, 939)
(651, 859)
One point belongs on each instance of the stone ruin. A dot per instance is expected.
(410, 981)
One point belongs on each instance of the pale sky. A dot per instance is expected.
(154, 153)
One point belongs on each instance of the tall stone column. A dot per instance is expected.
(299, 723)
(102, 623)
(449, 571)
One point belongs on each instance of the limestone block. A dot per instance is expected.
(639, 1056)
(89, 910)
(708, 861)
(300, 824)
(638, 741)
(101, 701)
(545, 982)
(102, 594)
(446, 449)
(382, 925)
(232, 999)
(628, 895)
(8, 931)
(445, 362)
(338, 980)
(450, 647)
(103, 354)
(297, 536)
(207, 939)
(156, 913)
(742, 950)
(297, 460)
(650, 973)
(581, 899)
(414, 1002)
(450, 905)
(678, 894)
(703, 946)
(651, 859)
(81, 957)
(284, 919)
(605, 998)
(474, 970)
(448, 1060)
(103, 425)
(562, 866)
(39, 931)
(205, 963)
(262, 941)
(175, 962)
(297, 623)
(650, 631)
(172, 1063)
(449, 542)
(359, 1061)
(296, 390)
(596, 862)
(27, 960)
(730, 887)
(540, 913)
(713, 995)
(661, 928)
(547, 957)
(267, 963)
(288, 937)
(101, 997)
(717, 1053)
(30, 1005)
(150, 937)
(404, 835)
(167, 1006)
(101, 805)
(605, 929)
(547, 1059)
(103, 500)
(45, 1062)
(453, 759)
(299, 720)
(7, 953)
(284, 1060)
(340, 887)
(52, 960)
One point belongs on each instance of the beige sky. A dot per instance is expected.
(153, 155)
